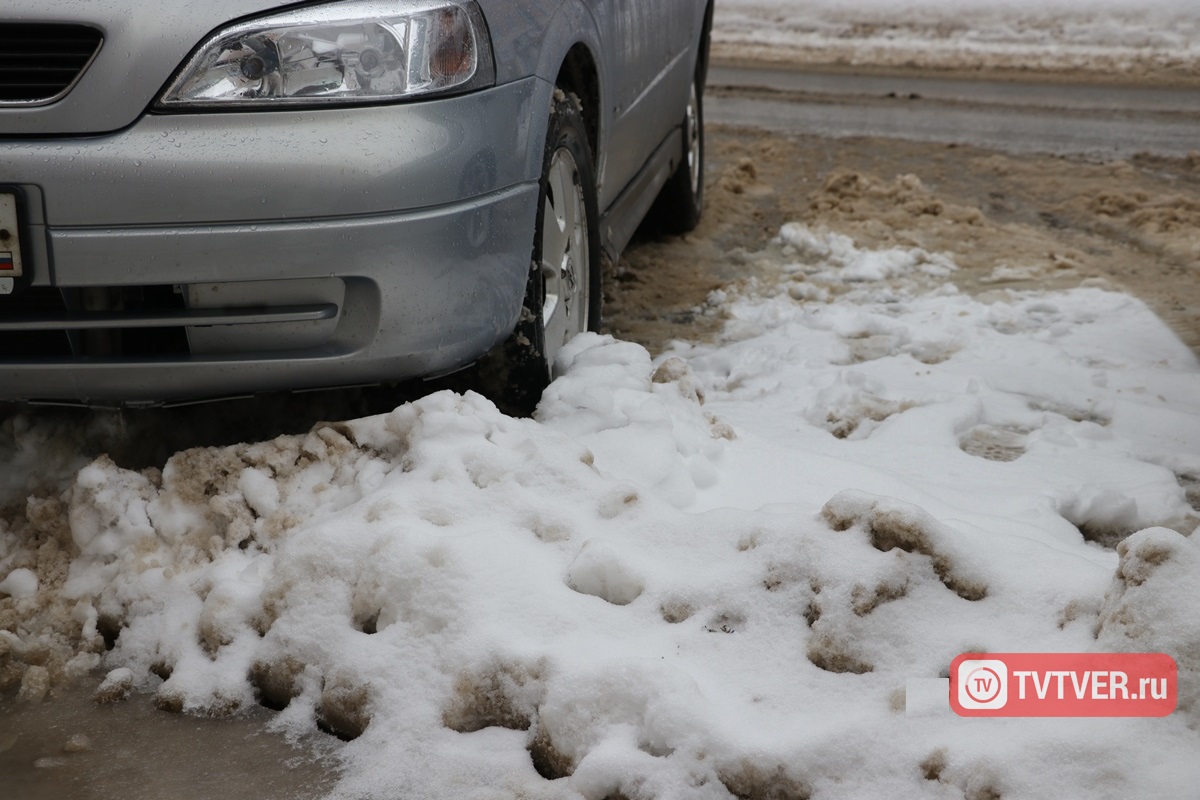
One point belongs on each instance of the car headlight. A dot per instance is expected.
(350, 52)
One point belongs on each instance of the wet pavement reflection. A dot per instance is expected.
(69, 748)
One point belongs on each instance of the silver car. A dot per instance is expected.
(216, 198)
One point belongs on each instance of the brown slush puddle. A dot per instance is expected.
(69, 748)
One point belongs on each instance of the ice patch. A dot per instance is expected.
(1151, 606)
(20, 584)
(116, 686)
(851, 407)
(601, 572)
(109, 513)
(826, 255)
(609, 394)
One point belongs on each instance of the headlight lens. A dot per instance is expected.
(340, 53)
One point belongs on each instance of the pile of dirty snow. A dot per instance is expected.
(711, 576)
(1111, 38)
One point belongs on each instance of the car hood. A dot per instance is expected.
(144, 44)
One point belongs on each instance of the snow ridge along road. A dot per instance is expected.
(1150, 41)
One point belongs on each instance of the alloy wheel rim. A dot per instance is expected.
(565, 258)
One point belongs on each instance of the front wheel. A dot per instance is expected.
(562, 295)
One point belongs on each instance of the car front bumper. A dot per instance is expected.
(295, 250)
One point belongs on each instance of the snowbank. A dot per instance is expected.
(1112, 37)
(711, 576)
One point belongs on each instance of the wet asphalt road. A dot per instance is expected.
(1058, 118)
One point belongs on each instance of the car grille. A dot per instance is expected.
(115, 323)
(39, 63)
(108, 342)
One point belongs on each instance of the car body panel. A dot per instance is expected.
(412, 221)
(647, 80)
(407, 276)
(246, 166)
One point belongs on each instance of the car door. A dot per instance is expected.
(646, 44)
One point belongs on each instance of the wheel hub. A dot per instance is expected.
(564, 253)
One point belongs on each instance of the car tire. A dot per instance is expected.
(680, 203)
(563, 292)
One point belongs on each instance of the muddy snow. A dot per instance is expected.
(1111, 40)
(892, 402)
(1008, 222)
(712, 573)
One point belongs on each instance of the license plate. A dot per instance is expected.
(10, 244)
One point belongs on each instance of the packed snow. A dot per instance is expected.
(741, 569)
(1109, 36)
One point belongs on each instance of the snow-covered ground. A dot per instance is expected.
(1113, 37)
(712, 575)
